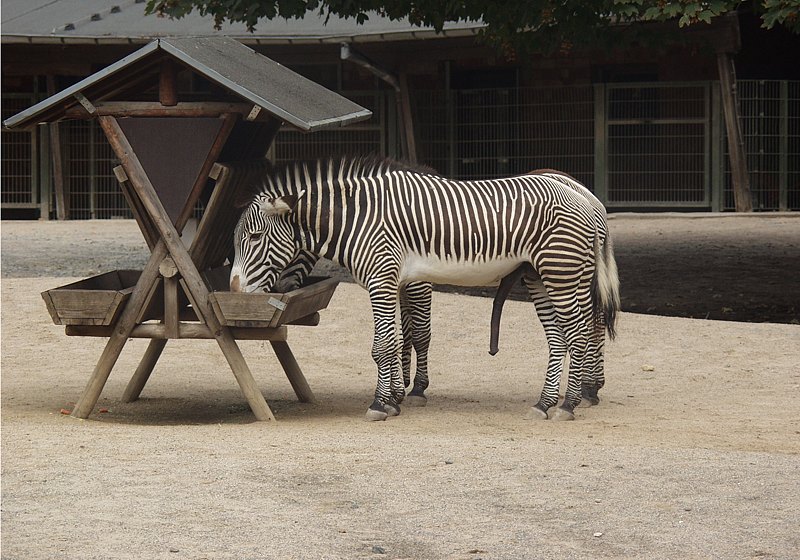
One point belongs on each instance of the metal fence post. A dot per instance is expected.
(717, 172)
(783, 151)
(600, 145)
(41, 176)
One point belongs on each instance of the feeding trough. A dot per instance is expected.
(271, 309)
(170, 152)
(94, 301)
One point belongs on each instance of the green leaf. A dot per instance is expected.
(691, 9)
(653, 12)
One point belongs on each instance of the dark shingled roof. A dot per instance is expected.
(226, 62)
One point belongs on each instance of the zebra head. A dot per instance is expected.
(265, 241)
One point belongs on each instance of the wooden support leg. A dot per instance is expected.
(122, 331)
(293, 372)
(243, 375)
(142, 373)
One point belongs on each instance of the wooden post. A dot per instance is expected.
(142, 373)
(167, 84)
(741, 180)
(407, 118)
(293, 372)
(57, 153)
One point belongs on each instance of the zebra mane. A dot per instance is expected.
(286, 178)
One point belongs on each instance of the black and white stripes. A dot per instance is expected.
(392, 226)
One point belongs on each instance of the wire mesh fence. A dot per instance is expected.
(93, 189)
(657, 144)
(770, 118)
(488, 133)
(641, 145)
(19, 157)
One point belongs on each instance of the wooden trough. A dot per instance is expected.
(169, 152)
(97, 301)
(270, 309)
(94, 301)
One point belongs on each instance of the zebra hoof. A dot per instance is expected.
(391, 409)
(560, 414)
(586, 403)
(536, 413)
(416, 400)
(375, 415)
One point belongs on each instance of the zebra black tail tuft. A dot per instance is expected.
(605, 286)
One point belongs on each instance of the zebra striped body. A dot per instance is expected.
(391, 226)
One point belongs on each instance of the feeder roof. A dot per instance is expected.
(255, 78)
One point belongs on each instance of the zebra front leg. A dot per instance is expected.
(418, 296)
(389, 390)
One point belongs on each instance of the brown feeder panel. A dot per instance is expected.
(168, 152)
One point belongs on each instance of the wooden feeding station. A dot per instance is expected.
(169, 147)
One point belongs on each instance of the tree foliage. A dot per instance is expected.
(541, 24)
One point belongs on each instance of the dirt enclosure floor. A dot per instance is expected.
(694, 451)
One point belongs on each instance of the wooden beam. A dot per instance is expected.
(293, 372)
(85, 103)
(189, 331)
(143, 371)
(742, 197)
(407, 119)
(155, 109)
(229, 121)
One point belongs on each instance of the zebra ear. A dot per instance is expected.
(281, 205)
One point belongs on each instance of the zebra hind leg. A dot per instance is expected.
(557, 348)
(407, 326)
(590, 388)
(419, 295)
(593, 372)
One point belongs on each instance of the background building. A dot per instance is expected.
(643, 127)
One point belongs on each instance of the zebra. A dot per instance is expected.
(390, 226)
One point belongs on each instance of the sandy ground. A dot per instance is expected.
(693, 453)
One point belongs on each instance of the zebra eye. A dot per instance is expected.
(255, 236)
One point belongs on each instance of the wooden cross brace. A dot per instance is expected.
(171, 261)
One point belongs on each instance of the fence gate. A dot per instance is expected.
(658, 145)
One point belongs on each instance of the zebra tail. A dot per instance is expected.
(606, 286)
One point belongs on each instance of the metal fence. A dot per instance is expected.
(489, 133)
(93, 190)
(652, 145)
(20, 158)
(657, 148)
(770, 116)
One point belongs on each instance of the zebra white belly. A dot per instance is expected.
(431, 268)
